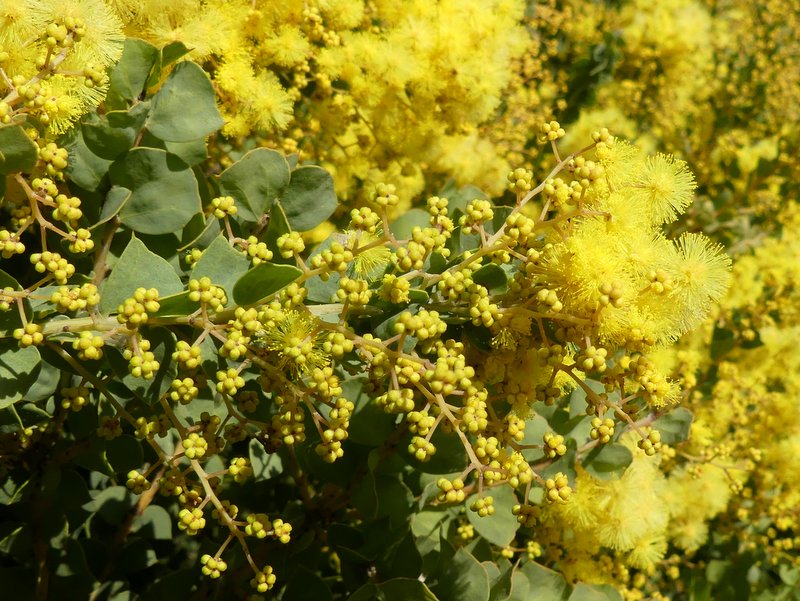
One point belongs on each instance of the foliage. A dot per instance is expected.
(236, 362)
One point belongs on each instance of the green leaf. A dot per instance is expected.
(115, 200)
(265, 465)
(490, 276)
(110, 135)
(403, 225)
(45, 385)
(223, 264)
(545, 584)
(277, 227)
(19, 369)
(404, 589)
(113, 504)
(128, 77)
(305, 585)
(675, 425)
(164, 190)
(585, 592)
(185, 107)
(309, 198)
(17, 151)
(10, 320)
(154, 523)
(608, 461)
(263, 280)
(137, 267)
(464, 579)
(192, 153)
(124, 454)
(499, 528)
(84, 168)
(176, 305)
(255, 181)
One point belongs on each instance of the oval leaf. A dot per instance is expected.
(464, 579)
(17, 151)
(261, 281)
(19, 368)
(309, 198)
(608, 461)
(222, 264)
(500, 528)
(164, 192)
(138, 267)
(185, 108)
(255, 181)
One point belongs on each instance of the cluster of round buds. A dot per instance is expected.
(10, 244)
(189, 356)
(592, 359)
(437, 207)
(557, 489)
(5, 109)
(450, 491)
(353, 291)
(256, 251)
(142, 363)
(397, 400)
(93, 76)
(476, 212)
(80, 241)
(183, 391)
(194, 446)
(6, 298)
(64, 34)
(386, 195)
(527, 515)
(192, 256)
(134, 310)
(422, 449)
(29, 335)
(335, 258)
(89, 345)
(651, 444)
(394, 289)
(212, 566)
(223, 206)
(585, 171)
(290, 244)
(68, 209)
(191, 521)
(424, 325)
(466, 531)
(74, 397)
(520, 180)
(264, 580)
(611, 293)
(550, 132)
(365, 219)
(136, 482)
(604, 141)
(203, 291)
(240, 469)
(229, 381)
(660, 282)
(75, 299)
(483, 507)
(560, 193)
(549, 298)
(54, 159)
(602, 430)
(554, 445)
(53, 263)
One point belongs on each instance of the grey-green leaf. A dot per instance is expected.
(137, 267)
(255, 181)
(464, 579)
(222, 264)
(309, 199)
(19, 368)
(500, 528)
(17, 151)
(164, 192)
(185, 108)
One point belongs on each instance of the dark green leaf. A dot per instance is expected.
(500, 528)
(124, 454)
(490, 276)
(255, 181)
(17, 151)
(263, 280)
(305, 585)
(309, 198)
(154, 523)
(402, 226)
(405, 589)
(607, 461)
(84, 168)
(115, 200)
(184, 108)
(137, 267)
(176, 305)
(277, 227)
(674, 426)
(265, 465)
(585, 592)
(164, 190)
(10, 320)
(464, 579)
